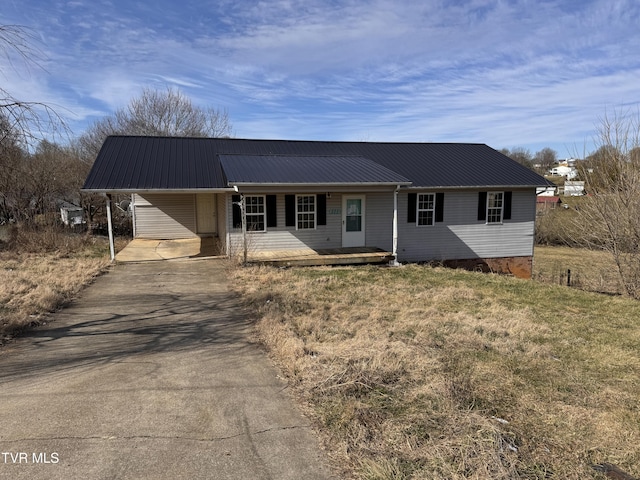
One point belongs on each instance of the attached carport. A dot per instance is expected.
(177, 188)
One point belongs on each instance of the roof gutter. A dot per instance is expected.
(473, 187)
(320, 184)
(157, 190)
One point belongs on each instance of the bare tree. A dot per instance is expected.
(610, 217)
(544, 159)
(157, 113)
(30, 120)
(520, 155)
(34, 183)
(11, 158)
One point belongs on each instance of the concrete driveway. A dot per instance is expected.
(150, 375)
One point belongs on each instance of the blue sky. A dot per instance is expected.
(508, 73)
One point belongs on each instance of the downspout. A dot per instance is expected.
(395, 262)
(112, 249)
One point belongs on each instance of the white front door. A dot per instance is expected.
(353, 221)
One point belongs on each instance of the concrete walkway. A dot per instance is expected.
(150, 375)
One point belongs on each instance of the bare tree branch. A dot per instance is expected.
(30, 120)
(157, 113)
(610, 217)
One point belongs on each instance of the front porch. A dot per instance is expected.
(325, 256)
(142, 250)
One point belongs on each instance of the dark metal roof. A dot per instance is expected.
(155, 163)
(306, 169)
(176, 163)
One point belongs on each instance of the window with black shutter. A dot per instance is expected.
(236, 211)
(272, 212)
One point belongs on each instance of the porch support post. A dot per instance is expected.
(133, 214)
(112, 249)
(244, 229)
(395, 262)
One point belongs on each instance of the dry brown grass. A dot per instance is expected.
(429, 373)
(591, 270)
(34, 284)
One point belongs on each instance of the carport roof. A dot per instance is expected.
(155, 163)
(135, 163)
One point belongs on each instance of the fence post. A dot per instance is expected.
(568, 277)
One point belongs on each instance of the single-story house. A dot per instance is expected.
(460, 204)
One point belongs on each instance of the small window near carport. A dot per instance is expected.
(260, 211)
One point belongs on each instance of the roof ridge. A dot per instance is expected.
(284, 140)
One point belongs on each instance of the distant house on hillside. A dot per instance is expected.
(565, 171)
(459, 204)
(573, 188)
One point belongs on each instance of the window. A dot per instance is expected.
(426, 208)
(495, 204)
(305, 212)
(255, 212)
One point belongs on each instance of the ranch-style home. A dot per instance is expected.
(459, 204)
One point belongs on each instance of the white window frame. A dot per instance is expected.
(313, 212)
(432, 209)
(495, 214)
(262, 214)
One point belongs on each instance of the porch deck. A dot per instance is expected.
(141, 250)
(328, 256)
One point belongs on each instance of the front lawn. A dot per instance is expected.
(420, 372)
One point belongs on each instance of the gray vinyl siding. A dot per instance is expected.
(288, 238)
(378, 227)
(379, 220)
(165, 216)
(221, 203)
(462, 236)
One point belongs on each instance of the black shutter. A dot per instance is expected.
(411, 207)
(482, 205)
(506, 214)
(237, 211)
(272, 212)
(290, 210)
(322, 209)
(439, 206)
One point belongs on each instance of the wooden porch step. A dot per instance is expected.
(331, 256)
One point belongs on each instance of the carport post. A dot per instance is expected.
(112, 249)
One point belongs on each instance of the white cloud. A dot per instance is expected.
(505, 73)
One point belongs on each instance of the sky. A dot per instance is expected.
(508, 73)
